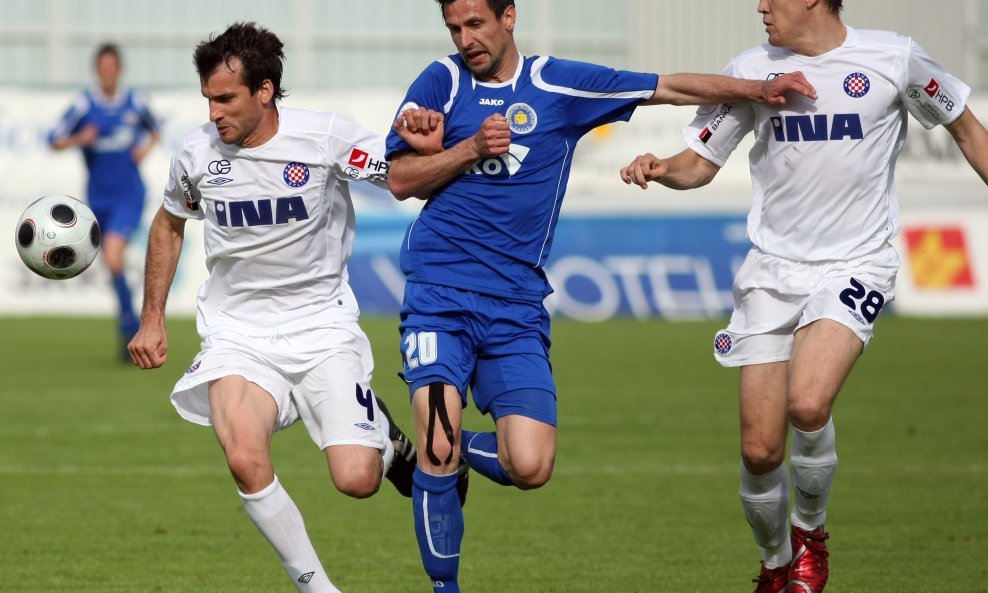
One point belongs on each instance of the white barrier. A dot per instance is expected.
(945, 206)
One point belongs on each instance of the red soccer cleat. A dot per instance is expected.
(772, 580)
(809, 570)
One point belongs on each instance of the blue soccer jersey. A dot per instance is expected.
(490, 229)
(123, 122)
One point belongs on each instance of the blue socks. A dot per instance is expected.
(438, 528)
(128, 321)
(480, 451)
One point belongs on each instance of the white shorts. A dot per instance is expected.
(321, 376)
(774, 297)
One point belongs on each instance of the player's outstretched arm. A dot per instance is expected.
(972, 138)
(686, 170)
(708, 89)
(419, 175)
(149, 348)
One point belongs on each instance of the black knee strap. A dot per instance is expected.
(437, 407)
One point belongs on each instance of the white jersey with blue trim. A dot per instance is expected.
(822, 171)
(490, 229)
(279, 221)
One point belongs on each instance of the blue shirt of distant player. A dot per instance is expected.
(123, 122)
(490, 229)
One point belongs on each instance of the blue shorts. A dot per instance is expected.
(499, 348)
(118, 218)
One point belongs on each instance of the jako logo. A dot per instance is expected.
(264, 212)
(817, 128)
(492, 102)
(510, 161)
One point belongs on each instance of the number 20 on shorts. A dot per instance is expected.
(421, 348)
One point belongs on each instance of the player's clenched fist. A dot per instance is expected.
(422, 129)
(149, 348)
(494, 137)
(646, 167)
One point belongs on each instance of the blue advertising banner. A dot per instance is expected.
(676, 267)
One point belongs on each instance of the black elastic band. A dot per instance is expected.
(437, 407)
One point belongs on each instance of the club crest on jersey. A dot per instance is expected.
(857, 85)
(522, 119)
(296, 174)
(723, 343)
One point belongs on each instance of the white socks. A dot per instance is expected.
(813, 462)
(765, 500)
(279, 520)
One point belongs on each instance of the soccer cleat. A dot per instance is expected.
(809, 570)
(403, 464)
(462, 481)
(772, 580)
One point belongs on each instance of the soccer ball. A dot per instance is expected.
(58, 237)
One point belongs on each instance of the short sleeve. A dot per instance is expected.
(931, 94)
(182, 197)
(717, 130)
(356, 153)
(433, 89)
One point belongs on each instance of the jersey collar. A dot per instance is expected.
(497, 85)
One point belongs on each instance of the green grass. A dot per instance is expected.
(104, 489)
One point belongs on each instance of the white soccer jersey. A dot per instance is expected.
(822, 171)
(279, 220)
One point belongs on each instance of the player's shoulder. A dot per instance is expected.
(761, 54)
(199, 139)
(877, 38)
(293, 120)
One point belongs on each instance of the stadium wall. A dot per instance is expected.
(618, 251)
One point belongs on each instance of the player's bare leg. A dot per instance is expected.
(823, 354)
(356, 470)
(438, 412)
(764, 481)
(243, 417)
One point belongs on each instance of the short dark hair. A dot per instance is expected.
(497, 6)
(835, 6)
(108, 48)
(260, 52)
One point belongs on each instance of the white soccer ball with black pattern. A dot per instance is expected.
(58, 237)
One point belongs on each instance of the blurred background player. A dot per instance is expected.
(115, 129)
(472, 315)
(821, 269)
(277, 318)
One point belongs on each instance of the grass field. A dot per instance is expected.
(104, 489)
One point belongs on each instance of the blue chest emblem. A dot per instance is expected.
(522, 119)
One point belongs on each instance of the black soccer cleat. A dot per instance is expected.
(403, 464)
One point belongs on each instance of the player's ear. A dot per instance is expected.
(508, 19)
(266, 92)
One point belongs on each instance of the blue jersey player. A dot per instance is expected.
(472, 316)
(115, 129)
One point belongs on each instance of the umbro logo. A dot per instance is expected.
(306, 577)
(219, 181)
